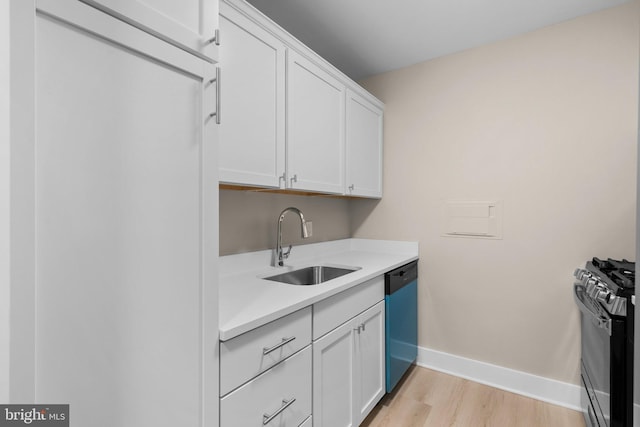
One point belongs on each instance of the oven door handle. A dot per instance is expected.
(603, 322)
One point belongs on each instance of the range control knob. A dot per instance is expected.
(580, 274)
(603, 295)
(596, 288)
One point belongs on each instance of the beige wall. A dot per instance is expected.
(547, 123)
(248, 220)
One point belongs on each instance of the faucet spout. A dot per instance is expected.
(304, 231)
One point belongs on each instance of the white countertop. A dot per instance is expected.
(248, 301)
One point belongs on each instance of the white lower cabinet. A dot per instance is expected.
(279, 397)
(272, 376)
(265, 374)
(349, 370)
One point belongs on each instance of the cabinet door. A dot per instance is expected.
(190, 24)
(369, 366)
(333, 362)
(252, 132)
(315, 113)
(126, 224)
(364, 147)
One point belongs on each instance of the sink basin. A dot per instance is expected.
(313, 275)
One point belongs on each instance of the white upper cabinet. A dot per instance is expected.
(364, 146)
(189, 24)
(289, 119)
(315, 123)
(252, 132)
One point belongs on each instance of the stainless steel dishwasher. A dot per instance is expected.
(401, 321)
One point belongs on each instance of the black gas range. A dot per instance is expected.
(603, 293)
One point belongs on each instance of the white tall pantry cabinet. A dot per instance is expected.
(124, 323)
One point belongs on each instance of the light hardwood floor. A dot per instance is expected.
(427, 398)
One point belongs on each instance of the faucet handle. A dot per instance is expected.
(285, 255)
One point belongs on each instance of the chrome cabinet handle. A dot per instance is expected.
(266, 418)
(216, 80)
(351, 187)
(363, 328)
(285, 341)
(294, 178)
(215, 39)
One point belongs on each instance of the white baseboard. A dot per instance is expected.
(540, 388)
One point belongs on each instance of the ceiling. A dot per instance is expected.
(368, 37)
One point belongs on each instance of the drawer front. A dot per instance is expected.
(330, 313)
(246, 356)
(269, 393)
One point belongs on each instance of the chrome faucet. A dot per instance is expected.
(306, 232)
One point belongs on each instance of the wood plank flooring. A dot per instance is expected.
(427, 398)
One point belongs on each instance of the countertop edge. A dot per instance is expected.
(230, 329)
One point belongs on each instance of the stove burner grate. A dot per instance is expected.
(621, 272)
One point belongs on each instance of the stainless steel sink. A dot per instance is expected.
(313, 275)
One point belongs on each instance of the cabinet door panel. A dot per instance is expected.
(333, 359)
(370, 360)
(252, 129)
(364, 147)
(186, 23)
(126, 225)
(315, 112)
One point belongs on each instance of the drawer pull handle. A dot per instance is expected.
(284, 341)
(266, 418)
